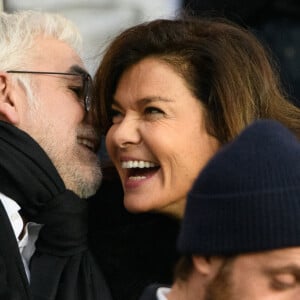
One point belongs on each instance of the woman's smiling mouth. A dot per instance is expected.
(138, 164)
(138, 170)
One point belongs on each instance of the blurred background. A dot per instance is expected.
(99, 20)
(275, 22)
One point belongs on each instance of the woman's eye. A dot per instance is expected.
(153, 110)
(115, 116)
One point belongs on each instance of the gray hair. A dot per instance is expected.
(18, 34)
(19, 30)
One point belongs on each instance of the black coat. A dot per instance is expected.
(133, 251)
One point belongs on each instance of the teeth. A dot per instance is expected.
(86, 143)
(137, 177)
(137, 164)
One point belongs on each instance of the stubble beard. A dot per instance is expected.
(80, 175)
(80, 171)
(77, 180)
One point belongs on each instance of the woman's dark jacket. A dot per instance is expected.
(133, 250)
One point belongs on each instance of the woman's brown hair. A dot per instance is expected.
(224, 65)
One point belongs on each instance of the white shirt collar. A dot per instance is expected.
(31, 231)
(161, 293)
(12, 210)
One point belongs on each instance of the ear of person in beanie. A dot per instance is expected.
(247, 198)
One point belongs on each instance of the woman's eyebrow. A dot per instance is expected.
(150, 99)
(144, 101)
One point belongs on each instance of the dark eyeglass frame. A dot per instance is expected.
(86, 81)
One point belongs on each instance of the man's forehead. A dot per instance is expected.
(278, 257)
(55, 55)
(292, 254)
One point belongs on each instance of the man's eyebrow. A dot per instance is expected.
(292, 268)
(77, 69)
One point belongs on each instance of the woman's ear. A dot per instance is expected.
(8, 99)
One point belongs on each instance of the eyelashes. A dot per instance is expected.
(78, 90)
(143, 114)
(153, 110)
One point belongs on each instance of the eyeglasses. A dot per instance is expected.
(86, 84)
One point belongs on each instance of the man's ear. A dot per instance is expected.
(207, 266)
(8, 100)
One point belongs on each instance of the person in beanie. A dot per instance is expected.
(240, 235)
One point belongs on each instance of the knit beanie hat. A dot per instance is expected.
(247, 198)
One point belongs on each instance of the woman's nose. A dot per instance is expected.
(127, 132)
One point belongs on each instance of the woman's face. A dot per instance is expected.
(158, 140)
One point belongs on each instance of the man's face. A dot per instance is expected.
(272, 275)
(59, 123)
